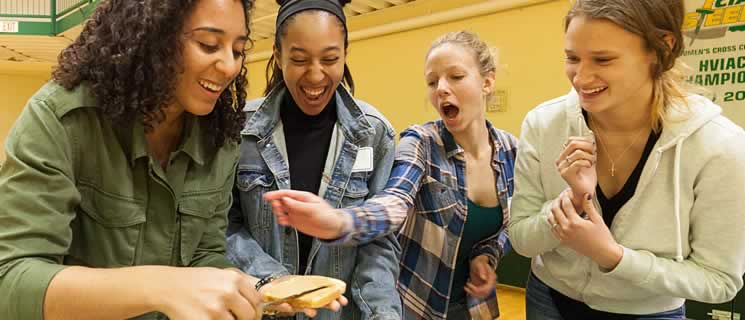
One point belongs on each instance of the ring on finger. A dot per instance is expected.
(553, 226)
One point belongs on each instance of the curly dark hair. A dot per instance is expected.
(127, 43)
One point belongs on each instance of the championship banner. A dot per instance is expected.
(714, 35)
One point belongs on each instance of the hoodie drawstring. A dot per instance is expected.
(678, 143)
(676, 198)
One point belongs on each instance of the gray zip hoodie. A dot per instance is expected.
(683, 231)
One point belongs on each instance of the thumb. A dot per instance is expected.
(590, 210)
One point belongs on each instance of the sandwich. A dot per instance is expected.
(303, 291)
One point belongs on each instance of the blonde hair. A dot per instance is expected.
(653, 21)
(486, 56)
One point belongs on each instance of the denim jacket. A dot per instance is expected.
(360, 157)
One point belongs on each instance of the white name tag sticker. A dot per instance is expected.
(364, 161)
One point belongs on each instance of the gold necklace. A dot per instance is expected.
(613, 163)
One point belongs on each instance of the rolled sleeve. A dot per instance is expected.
(38, 196)
(24, 286)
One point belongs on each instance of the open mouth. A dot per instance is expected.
(593, 91)
(210, 86)
(449, 110)
(313, 93)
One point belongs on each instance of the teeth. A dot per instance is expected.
(313, 92)
(210, 86)
(591, 91)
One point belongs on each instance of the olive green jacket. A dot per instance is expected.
(77, 189)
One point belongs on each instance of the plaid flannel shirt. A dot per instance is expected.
(427, 189)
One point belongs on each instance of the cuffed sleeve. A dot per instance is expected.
(494, 248)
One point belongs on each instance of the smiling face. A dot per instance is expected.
(455, 86)
(312, 59)
(215, 36)
(609, 67)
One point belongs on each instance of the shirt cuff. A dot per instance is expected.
(28, 287)
(634, 267)
(348, 233)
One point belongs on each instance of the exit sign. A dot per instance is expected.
(9, 26)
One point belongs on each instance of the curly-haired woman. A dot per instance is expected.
(120, 170)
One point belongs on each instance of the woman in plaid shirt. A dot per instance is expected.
(452, 179)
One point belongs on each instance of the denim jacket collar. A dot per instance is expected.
(354, 124)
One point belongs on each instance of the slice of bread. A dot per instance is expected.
(294, 284)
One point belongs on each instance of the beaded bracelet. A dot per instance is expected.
(263, 281)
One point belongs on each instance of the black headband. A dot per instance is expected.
(294, 6)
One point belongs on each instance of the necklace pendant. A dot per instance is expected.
(613, 170)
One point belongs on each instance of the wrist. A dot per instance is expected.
(577, 201)
(264, 281)
(611, 257)
(156, 292)
(481, 258)
(346, 223)
(251, 279)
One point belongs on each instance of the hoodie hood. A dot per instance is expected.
(681, 121)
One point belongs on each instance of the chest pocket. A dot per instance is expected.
(195, 213)
(106, 229)
(257, 213)
(436, 201)
(356, 191)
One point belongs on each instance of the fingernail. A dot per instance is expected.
(589, 197)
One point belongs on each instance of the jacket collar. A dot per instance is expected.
(681, 120)
(192, 144)
(452, 148)
(263, 121)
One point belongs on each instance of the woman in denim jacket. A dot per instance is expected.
(451, 181)
(310, 134)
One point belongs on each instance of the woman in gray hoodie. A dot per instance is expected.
(618, 223)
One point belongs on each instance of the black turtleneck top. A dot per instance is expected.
(307, 139)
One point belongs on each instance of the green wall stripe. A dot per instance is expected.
(32, 28)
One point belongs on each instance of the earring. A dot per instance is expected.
(234, 96)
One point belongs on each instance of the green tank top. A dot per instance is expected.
(481, 223)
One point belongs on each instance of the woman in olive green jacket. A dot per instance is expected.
(120, 169)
